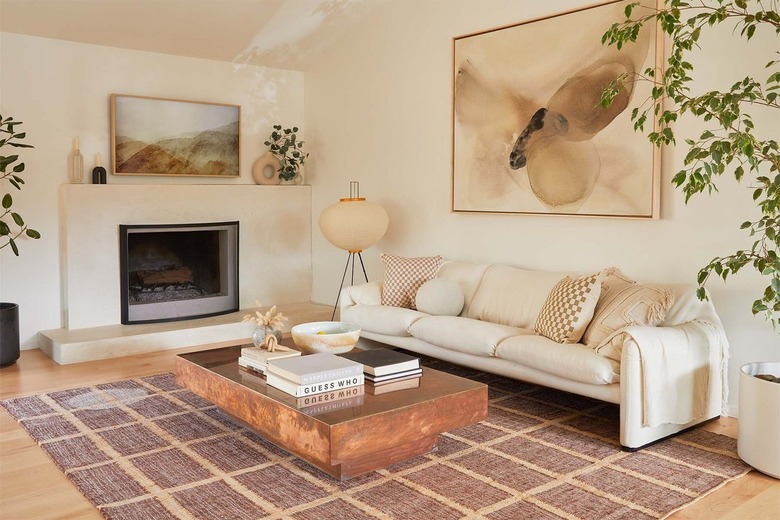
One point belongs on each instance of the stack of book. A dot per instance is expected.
(387, 370)
(313, 374)
(256, 358)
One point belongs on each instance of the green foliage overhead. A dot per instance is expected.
(284, 145)
(12, 225)
(730, 145)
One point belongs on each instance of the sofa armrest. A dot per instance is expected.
(369, 293)
(671, 378)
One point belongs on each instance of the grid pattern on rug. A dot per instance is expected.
(146, 448)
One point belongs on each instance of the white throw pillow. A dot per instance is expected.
(440, 297)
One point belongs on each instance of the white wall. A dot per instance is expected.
(61, 90)
(378, 110)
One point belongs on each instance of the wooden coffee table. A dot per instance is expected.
(346, 442)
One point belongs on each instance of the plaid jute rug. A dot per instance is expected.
(148, 449)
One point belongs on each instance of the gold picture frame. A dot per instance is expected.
(171, 137)
(528, 134)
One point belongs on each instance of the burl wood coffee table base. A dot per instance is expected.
(343, 443)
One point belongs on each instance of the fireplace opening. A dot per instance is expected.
(176, 272)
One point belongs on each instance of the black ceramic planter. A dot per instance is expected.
(9, 334)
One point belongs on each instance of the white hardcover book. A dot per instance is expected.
(297, 390)
(251, 364)
(261, 355)
(314, 368)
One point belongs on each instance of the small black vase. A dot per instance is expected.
(9, 334)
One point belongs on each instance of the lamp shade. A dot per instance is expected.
(354, 224)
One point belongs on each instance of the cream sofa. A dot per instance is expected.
(665, 378)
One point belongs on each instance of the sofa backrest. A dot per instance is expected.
(501, 293)
(467, 275)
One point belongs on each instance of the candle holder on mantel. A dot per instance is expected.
(98, 172)
(76, 164)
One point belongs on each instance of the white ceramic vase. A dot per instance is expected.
(261, 331)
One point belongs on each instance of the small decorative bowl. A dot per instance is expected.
(336, 337)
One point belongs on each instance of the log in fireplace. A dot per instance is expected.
(178, 271)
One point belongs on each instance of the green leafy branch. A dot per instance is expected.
(730, 144)
(11, 169)
(284, 145)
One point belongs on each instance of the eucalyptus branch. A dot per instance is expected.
(284, 145)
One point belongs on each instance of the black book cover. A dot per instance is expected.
(383, 361)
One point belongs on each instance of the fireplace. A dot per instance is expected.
(178, 271)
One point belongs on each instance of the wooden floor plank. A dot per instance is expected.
(32, 487)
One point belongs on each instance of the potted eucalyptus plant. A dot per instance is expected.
(729, 146)
(12, 227)
(285, 146)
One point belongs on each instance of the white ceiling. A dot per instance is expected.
(276, 33)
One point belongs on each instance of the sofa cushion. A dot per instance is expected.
(569, 309)
(403, 276)
(574, 362)
(512, 296)
(624, 302)
(381, 319)
(474, 337)
(440, 297)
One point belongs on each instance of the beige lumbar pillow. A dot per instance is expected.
(440, 297)
(403, 276)
(624, 302)
(569, 308)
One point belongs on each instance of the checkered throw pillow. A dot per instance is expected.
(403, 276)
(569, 309)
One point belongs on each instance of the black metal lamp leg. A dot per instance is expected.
(343, 277)
(360, 257)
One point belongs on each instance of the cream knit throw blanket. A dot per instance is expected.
(675, 363)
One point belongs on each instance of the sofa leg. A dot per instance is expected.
(632, 449)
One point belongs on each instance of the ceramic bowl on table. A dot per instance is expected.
(336, 337)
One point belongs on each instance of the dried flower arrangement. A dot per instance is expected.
(270, 319)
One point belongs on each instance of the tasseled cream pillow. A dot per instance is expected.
(624, 302)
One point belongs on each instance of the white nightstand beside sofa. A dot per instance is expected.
(657, 351)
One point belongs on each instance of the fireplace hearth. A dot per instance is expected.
(177, 272)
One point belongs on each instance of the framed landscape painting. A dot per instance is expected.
(154, 136)
(528, 133)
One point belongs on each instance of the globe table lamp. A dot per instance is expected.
(353, 224)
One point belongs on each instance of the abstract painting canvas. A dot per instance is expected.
(151, 136)
(529, 135)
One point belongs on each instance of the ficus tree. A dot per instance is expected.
(12, 225)
(730, 145)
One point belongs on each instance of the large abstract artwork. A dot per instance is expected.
(151, 136)
(529, 135)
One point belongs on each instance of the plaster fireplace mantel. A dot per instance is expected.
(274, 245)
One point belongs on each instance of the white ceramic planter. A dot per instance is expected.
(758, 443)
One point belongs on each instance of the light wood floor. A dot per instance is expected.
(31, 486)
